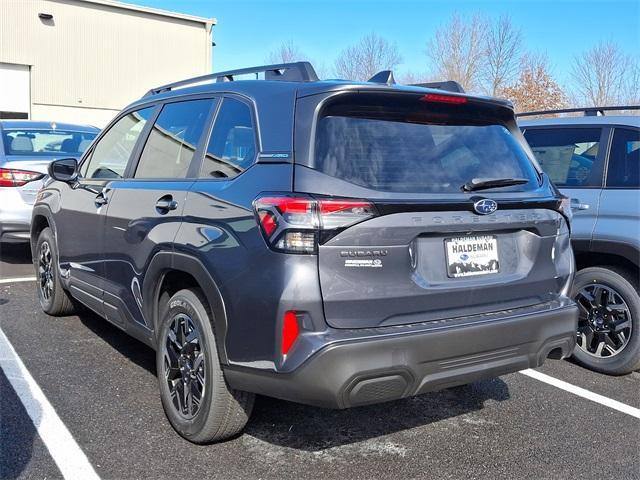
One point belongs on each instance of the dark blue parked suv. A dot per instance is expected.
(331, 243)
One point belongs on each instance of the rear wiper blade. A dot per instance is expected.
(485, 183)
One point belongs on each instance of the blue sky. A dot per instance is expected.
(248, 30)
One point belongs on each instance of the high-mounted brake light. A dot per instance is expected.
(435, 97)
(17, 178)
(293, 223)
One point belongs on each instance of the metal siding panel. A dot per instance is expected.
(95, 56)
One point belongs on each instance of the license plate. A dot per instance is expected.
(468, 256)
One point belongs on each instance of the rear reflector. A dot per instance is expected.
(435, 97)
(290, 331)
(17, 178)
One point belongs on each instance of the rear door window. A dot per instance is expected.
(569, 156)
(173, 140)
(624, 159)
(406, 145)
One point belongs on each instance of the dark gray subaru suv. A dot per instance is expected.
(327, 242)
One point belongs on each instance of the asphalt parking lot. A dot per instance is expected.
(102, 386)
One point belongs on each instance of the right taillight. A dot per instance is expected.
(17, 178)
(293, 223)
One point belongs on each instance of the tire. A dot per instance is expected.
(53, 298)
(616, 357)
(221, 412)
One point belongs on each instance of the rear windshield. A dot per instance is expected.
(34, 142)
(414, 146)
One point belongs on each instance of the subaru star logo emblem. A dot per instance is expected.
(485, 206)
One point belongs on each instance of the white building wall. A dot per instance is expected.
(94, 56)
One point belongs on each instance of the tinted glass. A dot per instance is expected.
(111, 154)
(406, 145)
(624, 159)
(568, 155)
(232, 146)
(40, 142)
(173, 140)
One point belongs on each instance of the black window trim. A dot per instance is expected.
(601, 159)
(196, 163)
(610, 147)
(207, 134)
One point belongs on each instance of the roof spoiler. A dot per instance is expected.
(288, 72)
(586, 111)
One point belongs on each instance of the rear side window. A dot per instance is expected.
(568, 155)
(112, 152)
(232, 146)
(624, 159)
(173, 139)
(407, 145)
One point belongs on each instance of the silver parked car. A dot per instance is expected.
(595, 160)
(26, 149)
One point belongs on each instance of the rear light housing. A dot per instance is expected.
(297, 223)
(17, 178)
(565, 208)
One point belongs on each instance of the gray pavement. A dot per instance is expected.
(102, 384)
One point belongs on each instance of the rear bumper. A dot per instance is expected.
(14, 232)
(15, 216)
(374, 370)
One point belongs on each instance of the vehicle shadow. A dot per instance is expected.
(15, 253)
(134, 350)
(291, 425)
(17, 432)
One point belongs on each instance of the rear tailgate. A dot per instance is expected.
(428, 255)
(395, 269)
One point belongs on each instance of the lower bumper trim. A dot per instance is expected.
(377, 370)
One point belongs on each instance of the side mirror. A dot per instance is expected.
(64, 170)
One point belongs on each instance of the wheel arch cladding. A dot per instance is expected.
(41, 219)
(166, 267)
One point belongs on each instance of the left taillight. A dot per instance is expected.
(295, 223)
(10, 177)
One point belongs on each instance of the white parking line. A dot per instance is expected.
(581, 392)
(64, 450)
(17, 279)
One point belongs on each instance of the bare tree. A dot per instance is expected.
(599, 75)
(367, 57)
(631, 85)
(287, 52)
(458, 51)
(535, 89)
(502, 55)
(412, 77)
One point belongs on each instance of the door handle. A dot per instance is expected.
(576, 205)
(166, 204)
(100, 200)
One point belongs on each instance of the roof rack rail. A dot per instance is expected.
(288, 72)
(448, 85)
(588, 111)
